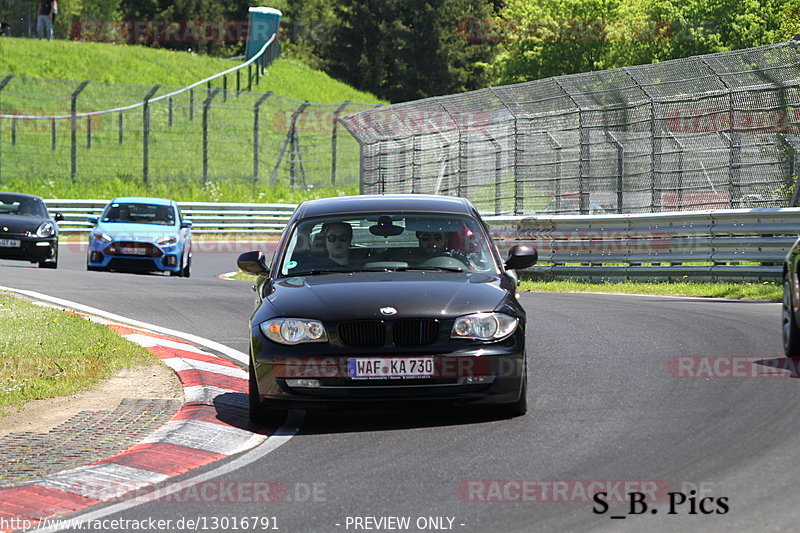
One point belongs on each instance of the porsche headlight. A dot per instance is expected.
(47, 229)
(102, 237)
(484, 326)
(294, 330)
(164, 241)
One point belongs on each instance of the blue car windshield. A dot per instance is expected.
(388, 242)
(163, 215)
(11, 204)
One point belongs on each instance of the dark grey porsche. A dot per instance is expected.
(27, 231)
(386, 300)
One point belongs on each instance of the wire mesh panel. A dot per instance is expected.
(707, 132)
(199, 138)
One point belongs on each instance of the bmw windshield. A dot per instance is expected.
(388, 242)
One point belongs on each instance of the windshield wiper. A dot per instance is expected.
(434, 268)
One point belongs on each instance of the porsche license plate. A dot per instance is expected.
(133, 251)
(390, 367)
(10, 243)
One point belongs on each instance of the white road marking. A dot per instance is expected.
(268, 443)
(277, 439)
(236, 355)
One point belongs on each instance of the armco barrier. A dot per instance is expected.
(736, 244)
(239, 218)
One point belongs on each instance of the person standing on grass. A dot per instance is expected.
(44, 23)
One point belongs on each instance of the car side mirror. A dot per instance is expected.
(253, 263)
(521, 256)
(186, 224)
(92, 220)
(59, 217)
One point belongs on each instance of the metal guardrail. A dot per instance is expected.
(727, 245)
(736, 244)
(206, 217)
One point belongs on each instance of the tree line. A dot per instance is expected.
(409, 49)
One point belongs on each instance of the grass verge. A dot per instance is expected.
(766, 291)
(46, 353)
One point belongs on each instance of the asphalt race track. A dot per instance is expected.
(610, 405)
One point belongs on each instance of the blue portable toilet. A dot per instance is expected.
(264, 22)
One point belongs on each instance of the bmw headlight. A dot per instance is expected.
(484, 326)
(47, 229)
(165, 241)
(294, 330)
(102, 237)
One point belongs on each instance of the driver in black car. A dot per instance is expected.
(437, 244)
(431, 242)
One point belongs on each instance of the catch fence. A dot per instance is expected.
(222, 131)
(717, 131)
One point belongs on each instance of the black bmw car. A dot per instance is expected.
(379, 300)
(27, 231)
(791, 302)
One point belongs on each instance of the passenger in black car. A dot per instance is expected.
(337, 241)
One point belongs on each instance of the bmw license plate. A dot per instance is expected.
(10, 243)
(390, 367)
(133, 251)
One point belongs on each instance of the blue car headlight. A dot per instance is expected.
(166, 241)
(102, 237)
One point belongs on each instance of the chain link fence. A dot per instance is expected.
(218, 131)
(707, 132)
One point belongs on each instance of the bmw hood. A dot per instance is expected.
(19, 224)
(331, 297)
(136, 232)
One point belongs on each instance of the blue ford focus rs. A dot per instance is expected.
(141, 234)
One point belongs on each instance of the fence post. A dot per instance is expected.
(620, 167)
(289, 138)
(791, 169)
(557, 147)
(206, 106)
(2, 86)
(255, 133)
(517, 186)
(13, 132)
(297, 155)
(89, 133)
(53, 135)
(120, 125)
(146, 137)
(224, 88)
(238, 83)
(170, 112)
(681, 150)
(415, 149)
(191, 104)
(74, 130)
(333, 139)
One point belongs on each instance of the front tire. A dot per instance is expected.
(791, 333)
(50, 263)
(520, 407)
(259, 414)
